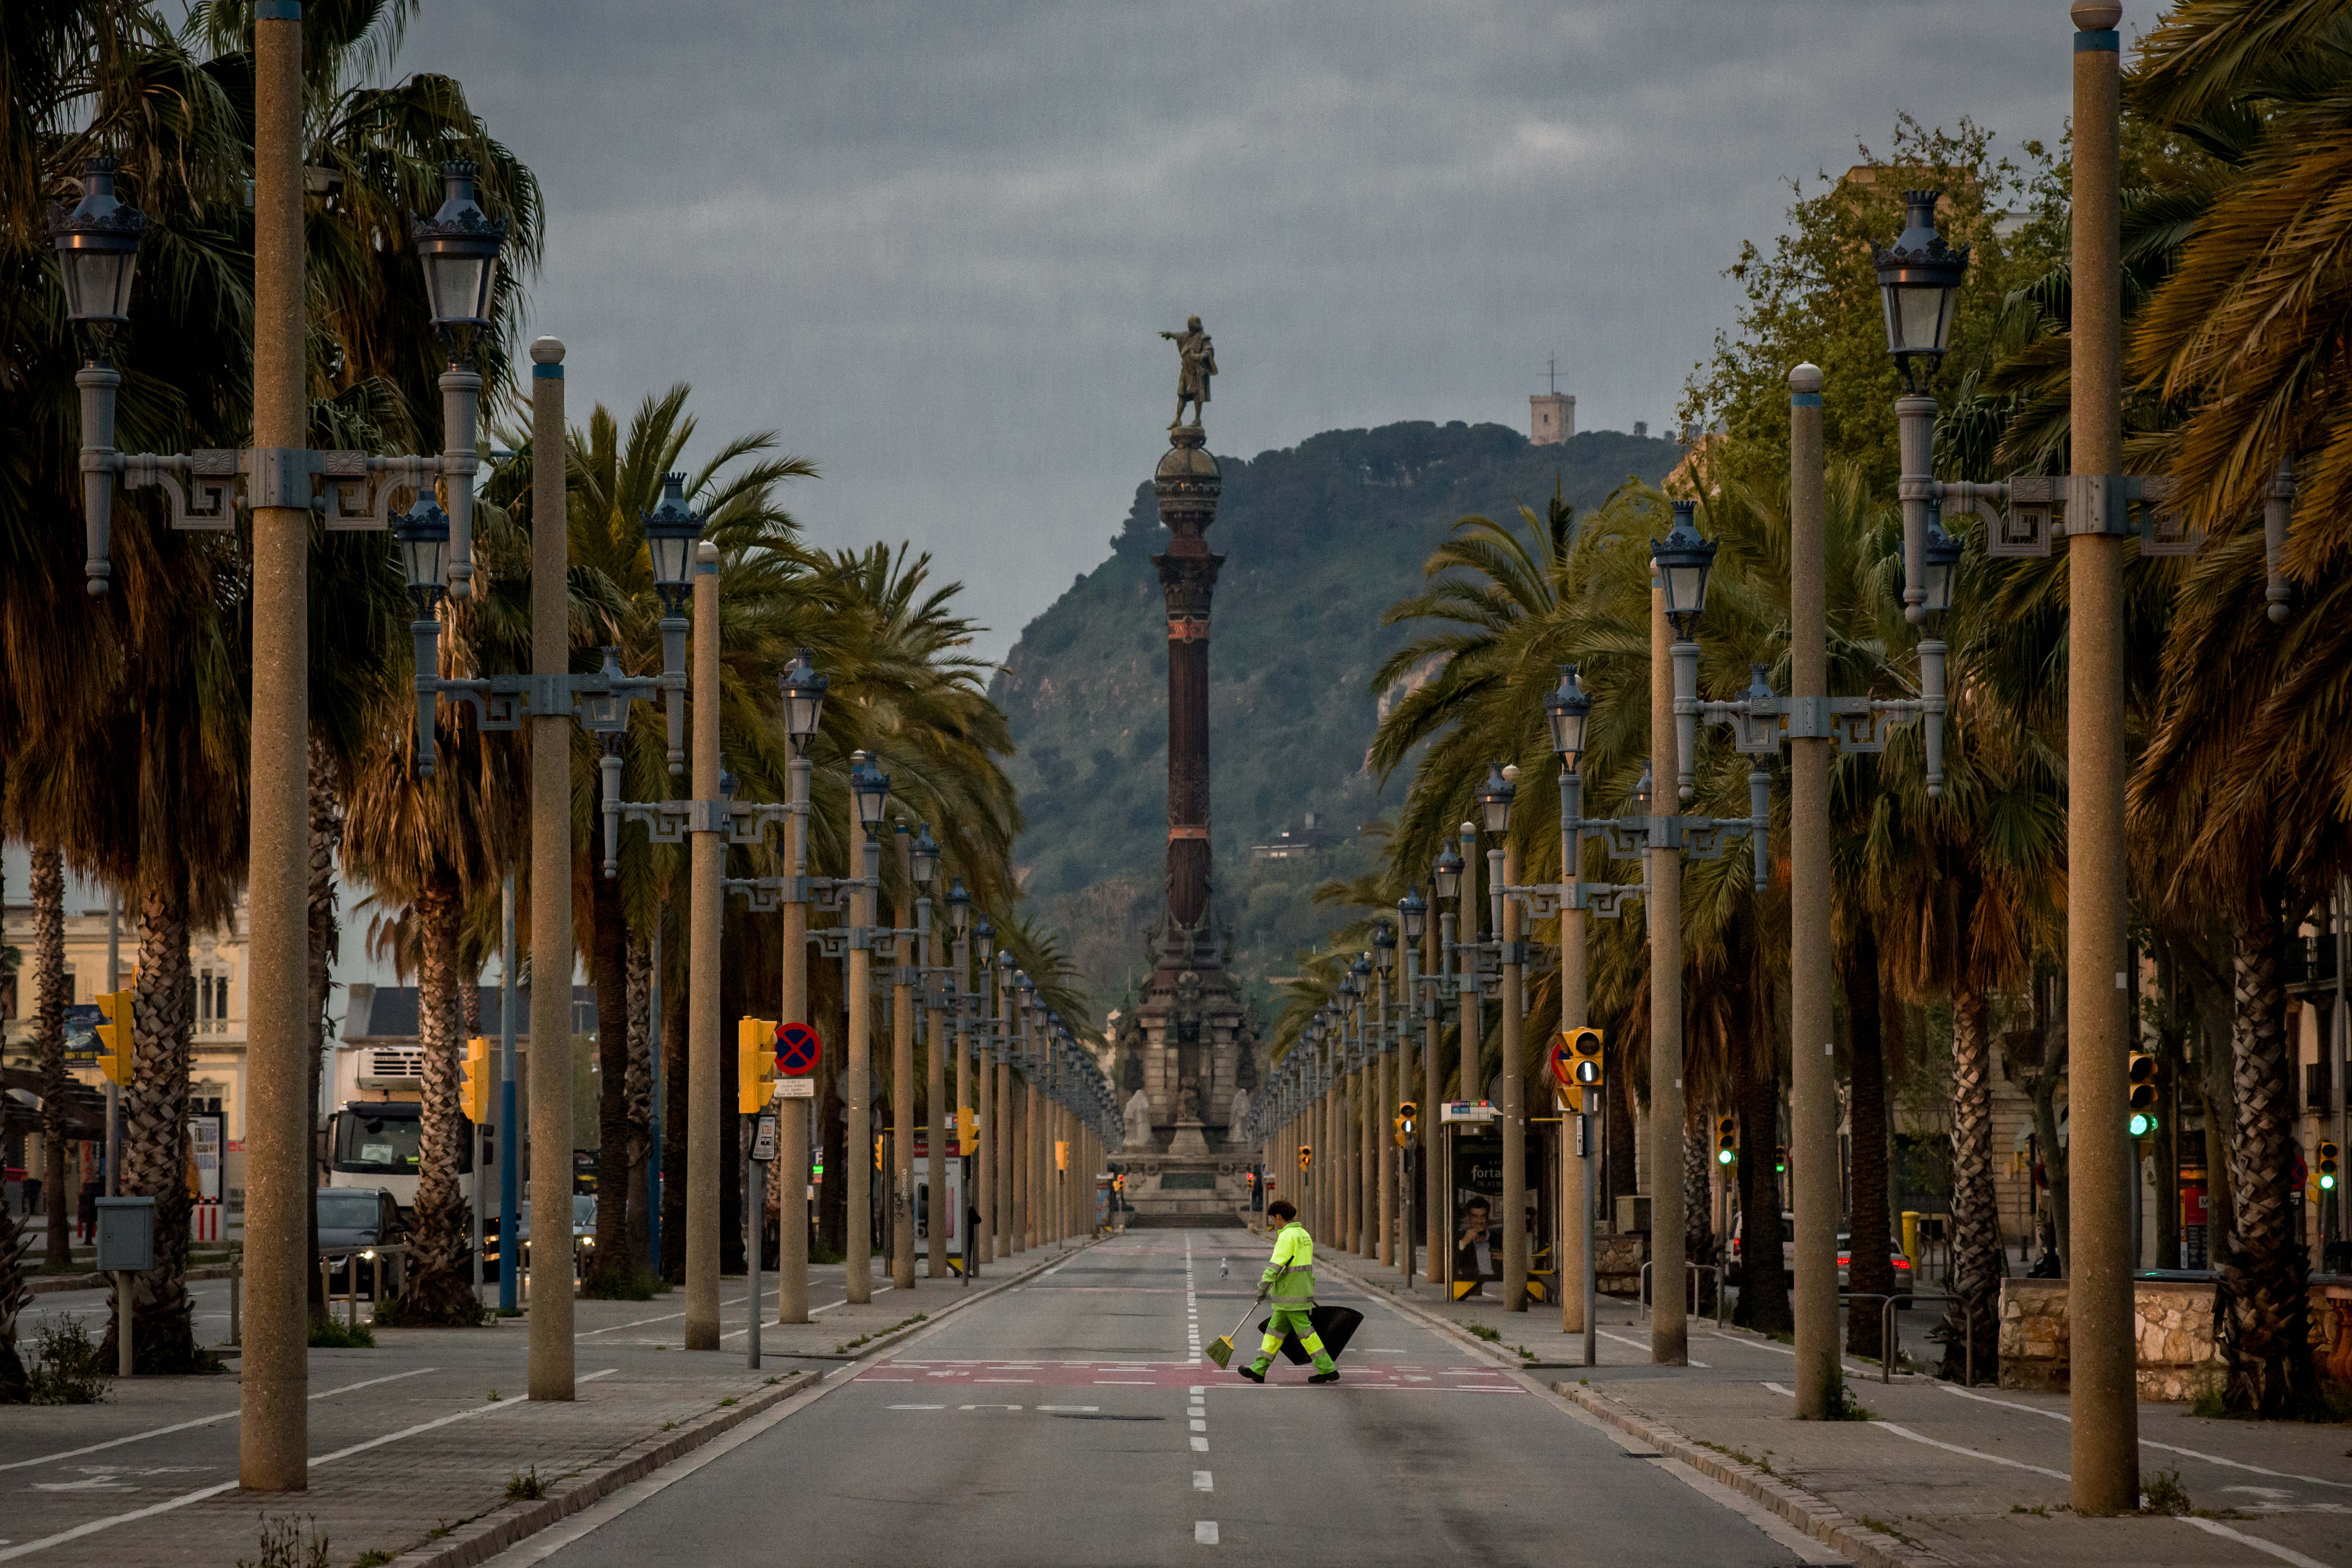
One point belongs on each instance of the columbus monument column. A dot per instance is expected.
(1188, 1051)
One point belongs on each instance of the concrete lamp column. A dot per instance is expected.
(707, 865)
(1669, 1317)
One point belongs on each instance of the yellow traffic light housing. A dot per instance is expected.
(1726, 1140)
(474, 1081)
(2143, 1081)
(967, 1131)
(1408, 1116)
(755, 1064)
(1306, 1155)
(115, 1038)
(1061, 1153)
(2327, 1157)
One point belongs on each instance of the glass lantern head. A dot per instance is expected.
(673, 529)
(1494, 798)
(1567, 713)
(97, 241)
(1918, 282)
(422, 534)
(460, 246)
(1413, 912)
(803, 694)
(1684, 559)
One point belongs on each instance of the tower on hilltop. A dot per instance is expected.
(1552, 415)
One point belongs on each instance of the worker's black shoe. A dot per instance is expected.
(1251, 1373)
(1331, 1377)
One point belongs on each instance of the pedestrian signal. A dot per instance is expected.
(1306, 1155)
(114, 1037)
(755, 1064)
(1726, 1140)
(2327, 1153)
(474, 1080)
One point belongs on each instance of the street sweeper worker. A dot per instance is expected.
(1289, 1283)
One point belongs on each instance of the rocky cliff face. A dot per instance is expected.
(1319, 539)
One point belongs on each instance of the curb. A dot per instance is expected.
(49, 1284)
(501, 1528)
(1824, 1523)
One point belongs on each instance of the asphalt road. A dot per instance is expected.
(1073, 1421)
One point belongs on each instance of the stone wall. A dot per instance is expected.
(2174, 1320)
(1617, 1261)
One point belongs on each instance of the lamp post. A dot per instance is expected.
(869, 790)
(1391, 1066)
(1412, 921)
(802, 689)
(97, 241)
(1494, 798)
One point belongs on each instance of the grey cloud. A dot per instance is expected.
(930, 243)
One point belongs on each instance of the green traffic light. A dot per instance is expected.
(2328, 1181)
(2142, 1123)
(1723, 1156)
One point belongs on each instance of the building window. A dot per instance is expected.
(212, 1002)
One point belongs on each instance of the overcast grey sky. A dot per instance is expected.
(930, 244)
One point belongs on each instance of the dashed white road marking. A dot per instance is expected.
(1199, 1445)
(1202, 1481)
(1971, 1453)
(1204, 1532)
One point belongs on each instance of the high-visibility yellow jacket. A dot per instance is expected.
(1289, 1276)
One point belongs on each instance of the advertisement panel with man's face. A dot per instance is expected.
(1475, 1197)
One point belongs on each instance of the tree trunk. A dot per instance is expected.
(1698, 1209)
(1618, 1086)
(155, 1154)
(608, 972)
(15, 1246)
(1978, 1262)
(1870, 1271)
(439, 1290)
(2262, 1316)
(326, 946)
(49, 888)
(2209, 1001)
(672, 1150)
(638, 1097)
(1755, 1085)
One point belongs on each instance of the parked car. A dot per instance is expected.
(1789, 1255)
(353, 1220)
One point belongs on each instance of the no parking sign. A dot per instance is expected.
(798, 1050)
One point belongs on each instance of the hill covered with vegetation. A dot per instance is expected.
(1318, 540)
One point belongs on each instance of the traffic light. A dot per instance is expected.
(114, 1037)
(1726, 1140)
(1582, 1056)
(1061, 1154)
(1408, 1116)
(1119, 1182)
(1780, 1160)
(967, 1131)
(1250, 1177)
(2144, 1077)
(878, 1150)
(474, 1081)
(1306, 1155)
(2327, 1153)
(755, 1064)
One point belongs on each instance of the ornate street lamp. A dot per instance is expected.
(1494, 798)
(459, 246)
(926, 859)
(959, 907)
(1567, 714)
(1447, 873)
(1684, 561)
(422, 534)
(984, 940)
(673, 529)
(1413, 914)
(871, 787)
(98, 251)
(804, 693)
(1384, 945)
(1918, 279)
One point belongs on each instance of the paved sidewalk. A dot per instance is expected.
(414, 1444)
(1937, 1474)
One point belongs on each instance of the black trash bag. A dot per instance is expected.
(1335, 1325)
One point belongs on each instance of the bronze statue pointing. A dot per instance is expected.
(1200, 363)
